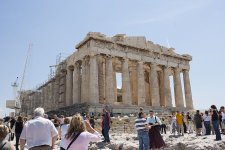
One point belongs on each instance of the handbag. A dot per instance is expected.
(74, 139)
(158, 127)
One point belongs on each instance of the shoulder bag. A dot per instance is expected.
(74, 139)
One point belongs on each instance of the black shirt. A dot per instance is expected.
(215, 116)
(18, 127)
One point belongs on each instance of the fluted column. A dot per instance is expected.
(69, 86)
(126, 88)
(101, 79)
(94, 89)
(187, 89)
(178, 89)
(141, 84)
(76, 84)
(109, 81)
(154, 85)
(167, 90)
(84, 80)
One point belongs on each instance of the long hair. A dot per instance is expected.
(76, 125)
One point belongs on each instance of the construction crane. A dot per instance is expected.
(15, 103)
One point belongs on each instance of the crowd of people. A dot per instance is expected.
(41, 132)
(76, 132)
(150, 127)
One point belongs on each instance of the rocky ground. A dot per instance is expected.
(186, 142)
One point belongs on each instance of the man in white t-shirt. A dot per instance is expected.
(38, 133)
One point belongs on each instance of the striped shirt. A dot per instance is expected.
(140, 123)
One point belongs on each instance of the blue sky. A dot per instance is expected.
(195, 27)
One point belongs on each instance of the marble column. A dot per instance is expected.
(141, 84)
(167, 90)
(109, 93)
(154, 85)
(101, 79)
(178, 89)
(126, 88)
(84, 81)
(187, 89)
(93, 86)
(69, 86)
(161, 88)
(76, 83)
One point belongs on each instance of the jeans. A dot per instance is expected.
(216, 128)
(143, 140)
(207, 127)
(106, 134)
(17, 141)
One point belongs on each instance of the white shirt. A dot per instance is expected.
(64, 129)
(153, 120)
(173, 120)
(83, 140)
(223, 116)
(206, 118)
(38, 131)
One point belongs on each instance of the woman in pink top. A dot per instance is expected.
(87, 134)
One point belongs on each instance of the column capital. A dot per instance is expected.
(185, 70)
(71, 67)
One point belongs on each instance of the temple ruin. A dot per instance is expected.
(88, 76)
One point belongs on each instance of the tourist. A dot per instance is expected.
(215, 122)
(142, 127)
(56, 121)
(163, 126)
(184, 122)
(92, 121)
(25, 120)
(38, 133)
(156, 140)
(223, 119)
(173, 123)
(61, 119)
(211, 125)
(189, 123)
(63, 131)
(46, 116)
(180, 119)
(18, 130)
(102, 125)
(77, 138)
(207, 119)
(198, 123)
(106, 126)
(220, 120)
(203, 126)
(4, 144)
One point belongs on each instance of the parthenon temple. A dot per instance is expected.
(89, 76)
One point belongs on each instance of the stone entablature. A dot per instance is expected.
(89, 75)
